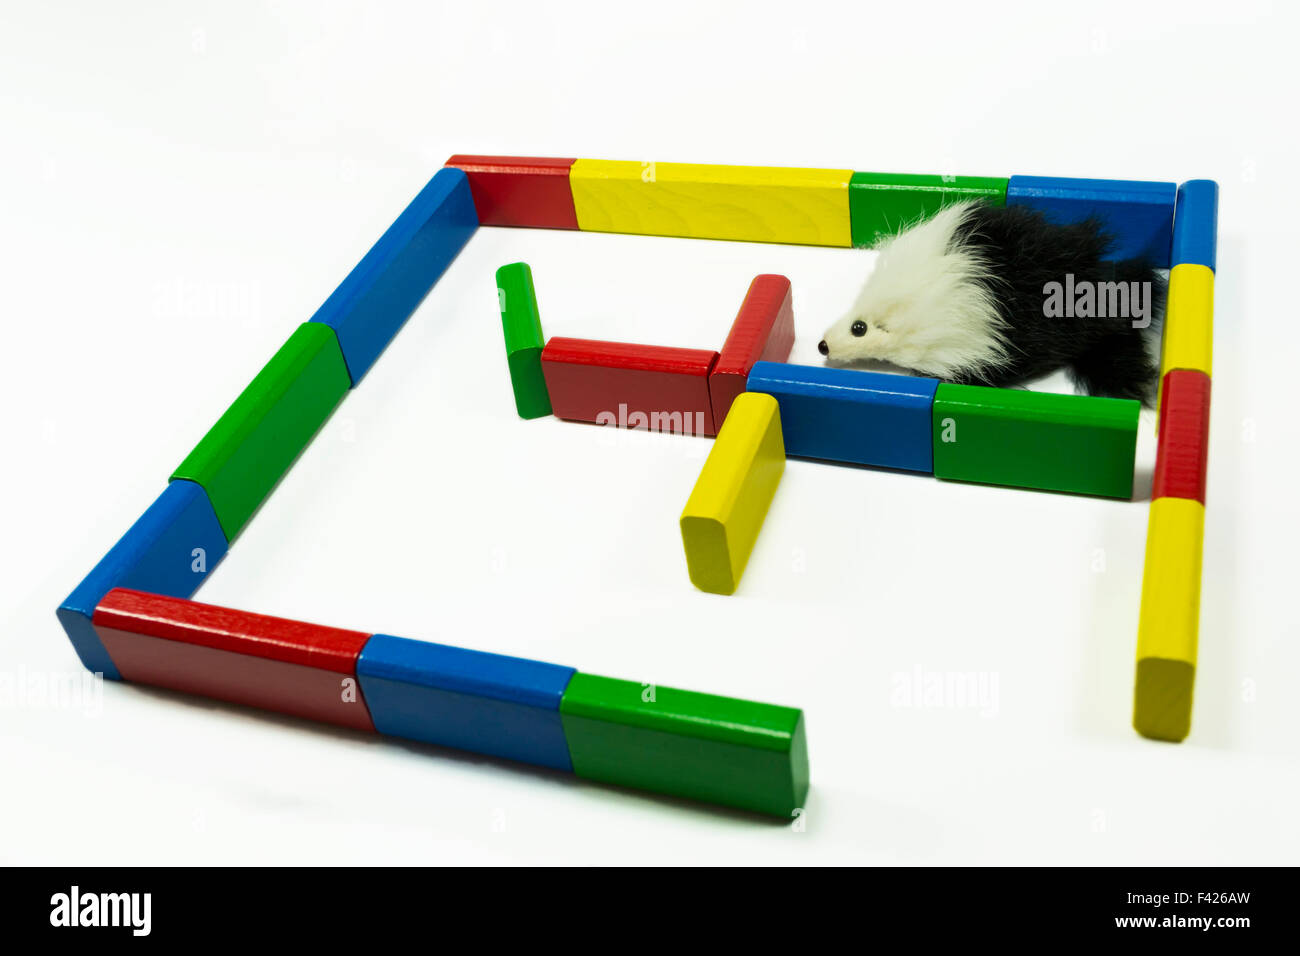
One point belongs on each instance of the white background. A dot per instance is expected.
(184, 183)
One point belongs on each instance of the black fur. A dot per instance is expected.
(1025, 252)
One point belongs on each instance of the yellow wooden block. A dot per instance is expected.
(725, 511)
(1189, 319)
(754, 203)
(1167, 626)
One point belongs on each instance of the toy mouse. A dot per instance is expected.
(997, 295)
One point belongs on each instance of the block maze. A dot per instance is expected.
(132, 617)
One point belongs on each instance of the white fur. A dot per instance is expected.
(923, 308)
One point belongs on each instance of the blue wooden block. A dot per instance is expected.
(378, 296)
(1196, 223)
(471, 700)
(840, 414)
(1140, 215)
(169, 550)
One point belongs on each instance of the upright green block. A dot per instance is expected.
(718, 749)
(253, 444)
(522, 324)
(1000, 436)
(883, 204)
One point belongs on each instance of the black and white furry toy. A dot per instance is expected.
(995, 295)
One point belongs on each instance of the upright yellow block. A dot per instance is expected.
(754, 203)
(1171, 607)
(1189, 319)
(725, 511)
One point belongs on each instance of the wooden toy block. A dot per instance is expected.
(1183, 447)
(251, 659)
(375, 300)
(631, 386)
(486, 703)
(840, 414)
(728, 751)
(1188, 338)
(763, 332)
(754, 203)
(1140, 215)
(522, 325)
(1196, 223)
(169, 550)
(884, 204)
(725, 511)
(1077, 443)
(1170, 615)
(520, 190)
(253, 444)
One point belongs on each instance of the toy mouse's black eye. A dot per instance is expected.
(858, 328)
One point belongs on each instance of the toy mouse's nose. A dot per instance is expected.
(823, 347)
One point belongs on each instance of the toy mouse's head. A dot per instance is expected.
(927, 305)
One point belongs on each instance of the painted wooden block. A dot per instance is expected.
(250, 659)
(720, 749)
(169, 550)
(754, 203)
(840, 414)
(763, 332)
(522, 325)
(253, 444)
(1077, 443)
(1196, 224)
(1183, 447)
(631, 386)
(375, 300)
(884, 204)
(486, 703)
(725, 511)
(1188, 337)
(1140, 215)
(520, 190)
(1169, 619)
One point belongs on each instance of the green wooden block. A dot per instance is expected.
(884, 204)
(1000, 436)
(522, 324)
(253, 444)
(718, 749)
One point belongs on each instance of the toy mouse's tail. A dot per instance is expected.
(1120, 361)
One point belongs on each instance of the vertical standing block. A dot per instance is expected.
(884, 204)
(840, 414)
(250, 659)
(1188, 338)
(734, 752)
(1140, 215)
(253, 444)
(522, 325)
(377, 297)
(486, 703)
(1183, 448)
(632, 386)
(169, 550)
(1077, 443)
(1170, 616)
(763, 332)
(520, 190)
(726, 509)
(755, 203)
(1196, 223)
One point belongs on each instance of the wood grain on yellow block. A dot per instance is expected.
(754, 203)
(1167, 626)
(1189, 319)
(726, 509)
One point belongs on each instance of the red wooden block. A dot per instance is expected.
(520, 190)
(763, 332)
(1183, 447)
(244, 658)
(632, 386)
